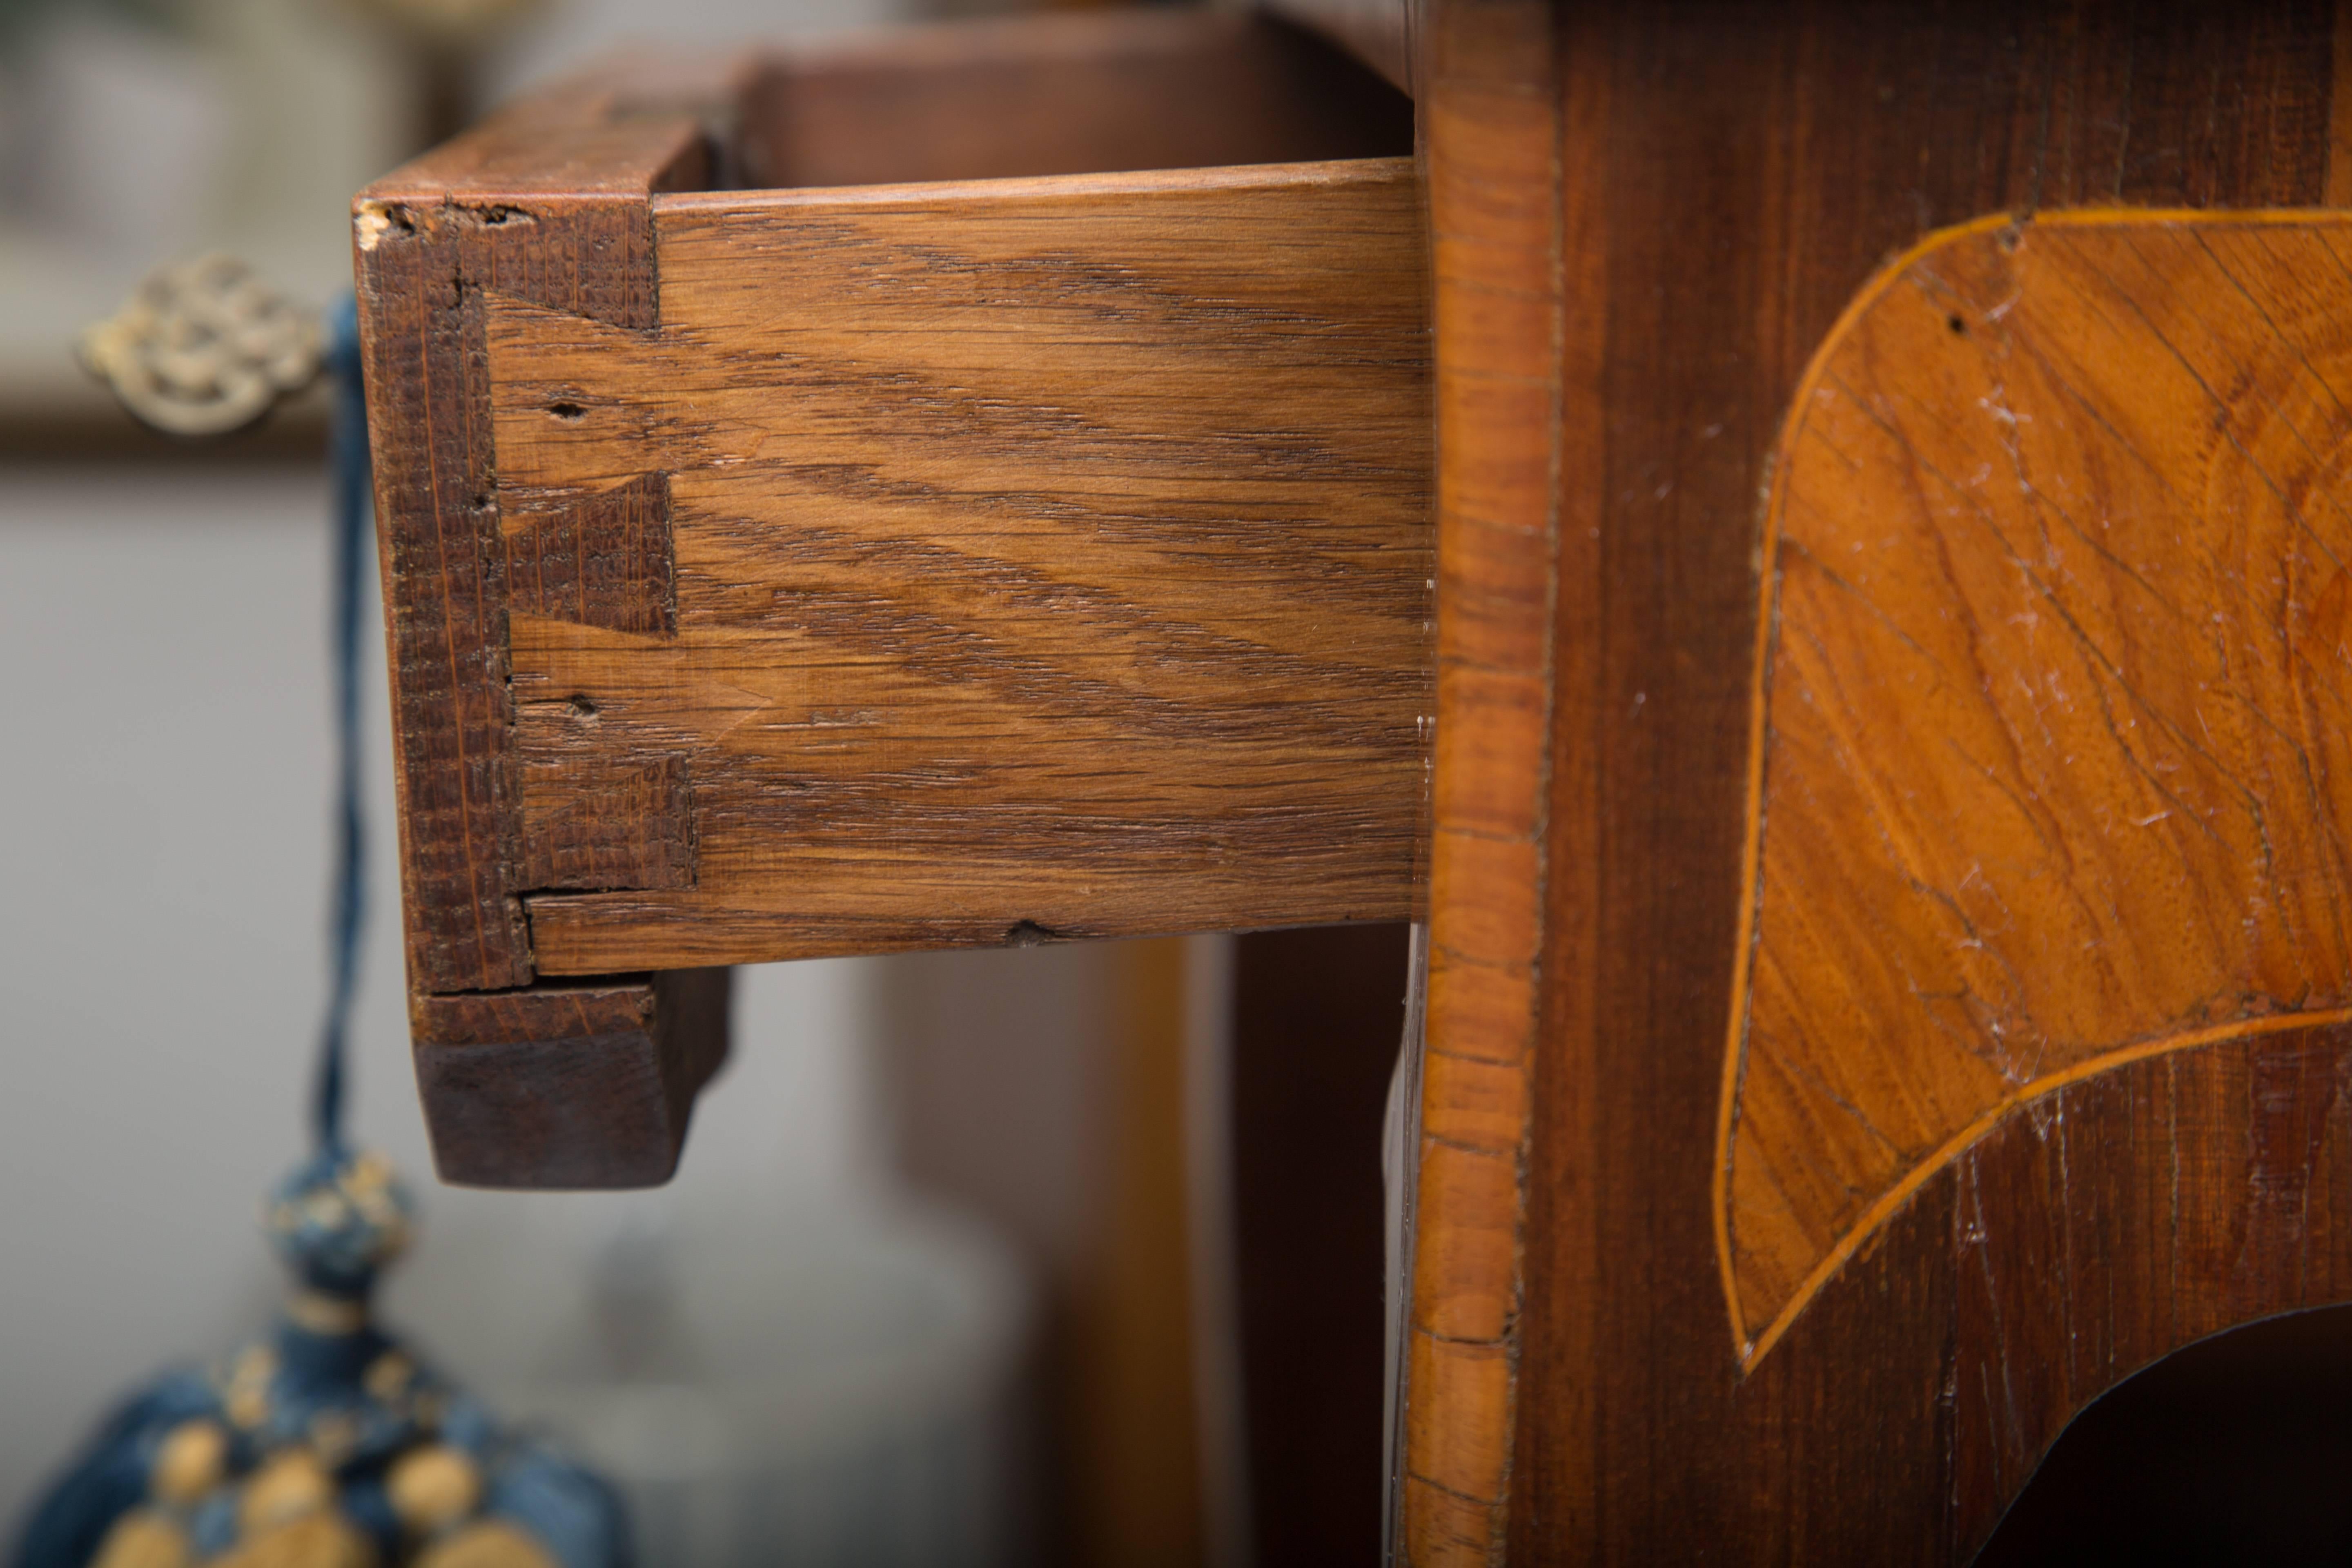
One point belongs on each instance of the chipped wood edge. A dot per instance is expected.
(1750, 1350)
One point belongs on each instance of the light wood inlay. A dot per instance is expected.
(2053, 737)
(1052, 558)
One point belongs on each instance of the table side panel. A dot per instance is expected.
(1718, 181)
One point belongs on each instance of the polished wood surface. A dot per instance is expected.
(1706, 191)
(1051, 561)
(1958, 834)
(2051, 766)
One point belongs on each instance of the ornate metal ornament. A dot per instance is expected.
(327, 1443)
(204, 348)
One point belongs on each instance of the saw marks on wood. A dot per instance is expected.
(2054, 756)
(1051, 558)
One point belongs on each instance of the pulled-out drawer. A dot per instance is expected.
(1008, 522)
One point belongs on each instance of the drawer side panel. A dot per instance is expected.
(1052, 558)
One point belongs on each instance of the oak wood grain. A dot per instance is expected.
(605, 822)
(2050, 751)
(1052, 559)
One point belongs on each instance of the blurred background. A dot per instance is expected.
(950, 1272)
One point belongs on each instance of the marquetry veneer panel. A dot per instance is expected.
(2054, 733)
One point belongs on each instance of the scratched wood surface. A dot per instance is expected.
(1051, 560)
(1710, 189)
(2080, 1258)
(2054, 765)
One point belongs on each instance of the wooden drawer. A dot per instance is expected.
(1011, 522)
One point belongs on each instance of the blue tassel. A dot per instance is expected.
(109, 1478)
(328, 1390)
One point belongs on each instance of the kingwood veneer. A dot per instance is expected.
(1888, 820)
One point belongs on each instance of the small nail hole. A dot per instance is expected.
(1959, 328)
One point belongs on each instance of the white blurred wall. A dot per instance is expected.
(576, 30)
(163, 838)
